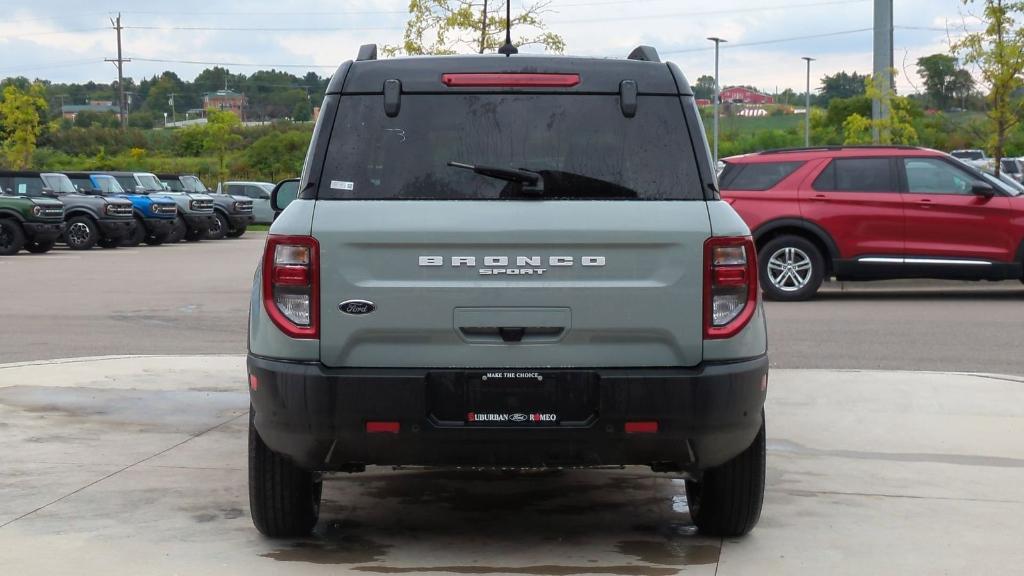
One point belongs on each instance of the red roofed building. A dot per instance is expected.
(741, 95)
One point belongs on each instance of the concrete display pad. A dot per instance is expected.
(137, 465)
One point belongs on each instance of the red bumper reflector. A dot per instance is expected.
(641, 427)
(487, 80)
(254, 382)
(382, 427)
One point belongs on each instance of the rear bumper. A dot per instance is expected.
(116, 228)
(43, 231)
(317, 417)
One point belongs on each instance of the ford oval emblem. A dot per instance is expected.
(519, 418)
(357, 307)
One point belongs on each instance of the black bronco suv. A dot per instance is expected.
(507, 262)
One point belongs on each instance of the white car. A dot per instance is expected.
(259, 192)
(973, 157)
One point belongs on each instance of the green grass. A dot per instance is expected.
(258, 227)
(740, 125)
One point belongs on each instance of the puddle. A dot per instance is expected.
(670, 552)
(348, 549)
(540, 570)
(787, 446)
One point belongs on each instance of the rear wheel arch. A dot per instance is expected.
(797, 227)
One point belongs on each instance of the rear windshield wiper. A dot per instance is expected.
(530, 182)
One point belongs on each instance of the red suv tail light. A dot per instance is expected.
(730, 286)
(291, 284)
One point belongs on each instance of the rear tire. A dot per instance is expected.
(237, 232)
(12, 238)
(39, 247)
(81, 233)
(220, 227)
(791, 268)
(284, 499)
(727, 500)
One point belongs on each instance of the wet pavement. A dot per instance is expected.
(137, 466)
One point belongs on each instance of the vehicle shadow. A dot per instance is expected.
(979, 293)
(628, 522)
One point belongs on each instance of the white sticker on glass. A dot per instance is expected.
(342, 185)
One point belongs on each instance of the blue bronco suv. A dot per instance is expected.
(154, 214)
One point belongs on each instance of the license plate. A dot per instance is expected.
(512, 398)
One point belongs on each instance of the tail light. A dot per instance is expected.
(730, 286)
(291, 284)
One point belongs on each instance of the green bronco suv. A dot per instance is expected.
(507, 262)
(34, 224)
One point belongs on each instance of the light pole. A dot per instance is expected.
(807, 104)
(714, 129)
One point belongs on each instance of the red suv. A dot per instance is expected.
(873, 213)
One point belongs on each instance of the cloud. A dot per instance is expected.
(34, 40)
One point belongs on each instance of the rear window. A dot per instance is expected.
(758, 176)
(857, 175)
(581, 146)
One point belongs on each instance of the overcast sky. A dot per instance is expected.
(65, 40)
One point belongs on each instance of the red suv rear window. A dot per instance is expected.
(756, 176)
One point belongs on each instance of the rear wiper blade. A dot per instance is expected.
(532, 181)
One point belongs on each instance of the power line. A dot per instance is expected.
(261, 29)
(701, 12)
(773, 41)
(53, 33)
(165, 61)
(45, 66)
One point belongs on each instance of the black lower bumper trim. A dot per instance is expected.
(199, 222)
(317, 417)
(43, 231)
(159, 227)
(116, 228)
(240, 220)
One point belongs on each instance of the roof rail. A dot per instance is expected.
(367, 52)
(839, 147)
(645, 54)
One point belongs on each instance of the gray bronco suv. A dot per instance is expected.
(507, 262)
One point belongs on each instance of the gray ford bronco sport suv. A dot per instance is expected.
(507, 262)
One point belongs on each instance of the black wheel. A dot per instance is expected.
(284, 499)
(81, 233)
(236, 232)
(39, 247)
(177, 231)
(791, 268)
(11, 237)
(727, 500)
(138, 234)
(195, 235)
(220, 227)
(109, 243)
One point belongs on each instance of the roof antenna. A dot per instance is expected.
(508, 49)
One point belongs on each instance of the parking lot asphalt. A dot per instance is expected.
(192, 299)
(136, 465)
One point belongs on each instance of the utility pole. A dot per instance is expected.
(883, 65)
(119, 62)
(483, 29)
(807, 104)
(714, 130)
(171, 102)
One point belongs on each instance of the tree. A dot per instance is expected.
(219, 136)
(20, 113)
(938, 71)
(961, 85)
(898, 128)
(704, 89)
(998, 53)
(840, 85)
(453, 26)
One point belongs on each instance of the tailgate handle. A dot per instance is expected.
(495, 334)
